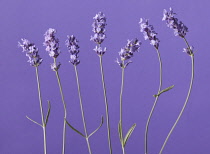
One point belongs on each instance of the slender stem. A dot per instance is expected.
(185, 104)
(153, 107)
(106, 105)
(121, 94)
(64, 107)
(82, 110)
(41, 109)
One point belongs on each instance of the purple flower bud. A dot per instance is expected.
(128, 51)
(51, 43)
(149, 33)
(73, 47)
(99, 28)
(99, 50)
(31, 52)
(55, 67)
(179, 28)
(189, 51)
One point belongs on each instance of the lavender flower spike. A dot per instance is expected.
(127, 52)
(73, 47)
(99, 28)
(31, 52)
(149, 33)
(179, 28)
(51, 43)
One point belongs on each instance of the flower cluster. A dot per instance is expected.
(73, 47)
(99, 28)
(128, 51)
(51, 43)
(31, 52)
(179, 28)
(189, 50)
(149, 33)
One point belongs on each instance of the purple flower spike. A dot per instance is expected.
(73, 47)
(99, 28)
(149, 33)
(179, 28)
(51, 43)
(128, 51)
(189, 51)
(31, 52)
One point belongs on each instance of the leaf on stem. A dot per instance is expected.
(120, 132)
(127, 136)
(48, 112)
(75, 129)
(34, 121)
(162, 91)
(102, 121)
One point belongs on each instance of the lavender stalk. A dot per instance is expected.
(35, 60)
(150, 34)
(99, 36)
(72, 44)
(125, 54)
(52, 47)
(179, 30)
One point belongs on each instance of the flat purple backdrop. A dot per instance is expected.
(31, 18)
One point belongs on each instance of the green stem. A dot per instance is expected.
(41, 109)
(64, 107)
(106, 106)
(186, 101)
(82, 110)
(153, 107)
(121, 94)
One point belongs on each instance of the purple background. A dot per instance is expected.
(31, 18)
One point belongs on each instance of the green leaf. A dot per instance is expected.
(102, 121)
(34, 121)
(164, 90)
(120, 132)
(127, 136)
(48, 113)
(75, 129)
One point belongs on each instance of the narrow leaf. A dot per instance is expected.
(102, 121)
(127, 136)
(34, 121)
(48, 112)
(120, 132)
(165, 90)
(75, 129)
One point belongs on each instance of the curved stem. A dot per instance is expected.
(64, 107)
(121, 94)
(185, 104)
(82, 110)
(106, 105)
(41, 109)
(153, 107)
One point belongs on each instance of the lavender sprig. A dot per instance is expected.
(150, 34)
(35, 60)
(52, 47)
(127, 52)
(179, 28)
(31, 52)
(99, 25)
(73, 48)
